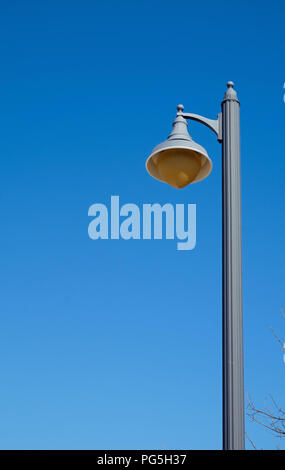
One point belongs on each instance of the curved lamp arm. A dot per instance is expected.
(214, 124)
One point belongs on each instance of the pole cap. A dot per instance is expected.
(230, 94)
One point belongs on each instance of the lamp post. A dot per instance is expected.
(180, 161)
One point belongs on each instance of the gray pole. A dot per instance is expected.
(233, 388)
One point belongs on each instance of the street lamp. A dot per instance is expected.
(180, 161)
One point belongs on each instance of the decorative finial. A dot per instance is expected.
(180, 108)
(230, 94)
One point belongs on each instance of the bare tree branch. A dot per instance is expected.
(273, 421)
(271, 417)
(250, 441)
(277, 337)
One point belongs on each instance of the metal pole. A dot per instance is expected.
(233, 387)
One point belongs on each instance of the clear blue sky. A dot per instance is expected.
(115, 344)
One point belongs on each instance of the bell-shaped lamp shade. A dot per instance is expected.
(179, 160)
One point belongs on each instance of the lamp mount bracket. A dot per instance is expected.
(214, 124)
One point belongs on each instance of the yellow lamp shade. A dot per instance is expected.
(179, 160)
(178, 167)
